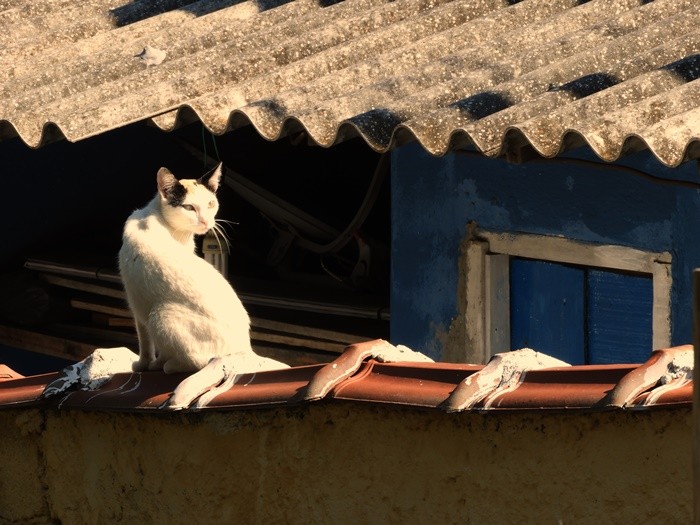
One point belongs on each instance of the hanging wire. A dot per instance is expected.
(204, 147)
(216, 149)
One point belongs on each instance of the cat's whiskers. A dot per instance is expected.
(227, 223)
(219, 232)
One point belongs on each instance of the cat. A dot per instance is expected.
(186, 312)
(188, 317)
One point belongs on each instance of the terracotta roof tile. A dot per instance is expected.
(664, 380)
(415, 384)
(24, 390)
(663, 365)
(7, 373)
(267, 388)
(575, 387)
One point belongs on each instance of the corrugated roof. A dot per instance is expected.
(617, 74)
(356, 376)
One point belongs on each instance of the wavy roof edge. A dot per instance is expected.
(514, 138)
(617, 75)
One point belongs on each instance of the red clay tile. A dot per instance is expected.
(7, 373)
(662, 381)
(125, 391)
(562, 388)
(150, 390)
(24, 390)
(417, 384)
(675, 393)
(341, 368)
(645, 376)
(272, 387)
(501, 374)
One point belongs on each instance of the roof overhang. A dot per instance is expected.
(617, 75)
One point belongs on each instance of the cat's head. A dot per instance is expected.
(189, 204)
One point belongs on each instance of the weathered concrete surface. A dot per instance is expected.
(343, 463)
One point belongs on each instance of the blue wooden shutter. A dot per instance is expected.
(580, 315)
(547, 309)
(619, 317)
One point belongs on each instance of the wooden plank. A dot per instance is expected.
(272, 300)
(661, 316)
(568, 251)
(309, 332)
(474, 264)
(326, 346)
(100, 308)
(130, 339)
(292, 356)
(68, 348)
(87, 272)
(328, 340)
(497, 303)
(44, 344)
(83, 286)
(112, 321)
(100, 336)
(317, 307)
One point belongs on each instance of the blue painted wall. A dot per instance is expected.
(649, 207)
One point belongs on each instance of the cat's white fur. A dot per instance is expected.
(186, 312)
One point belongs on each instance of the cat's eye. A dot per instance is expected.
(188, 207)
(211, 204)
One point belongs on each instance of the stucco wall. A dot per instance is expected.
(433, 199)
(343, 463)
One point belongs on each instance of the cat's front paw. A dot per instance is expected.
(140, 366)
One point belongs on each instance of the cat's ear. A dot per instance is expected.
(212, 179)
(166, 181)
(169, 187)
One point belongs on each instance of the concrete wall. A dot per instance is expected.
(433, 199)
(345, 463)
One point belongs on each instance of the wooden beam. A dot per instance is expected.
(92, 306)
(309, 332)
(268, 337)
(83, 286)
(44, 344)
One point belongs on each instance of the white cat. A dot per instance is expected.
(186, 312)
(188, 317)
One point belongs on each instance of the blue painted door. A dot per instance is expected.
(580, 315)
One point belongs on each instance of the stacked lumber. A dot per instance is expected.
(95, 314)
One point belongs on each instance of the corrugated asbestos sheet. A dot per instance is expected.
(500, 74)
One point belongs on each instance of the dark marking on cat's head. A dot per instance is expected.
(170, 188)
(212, 178)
